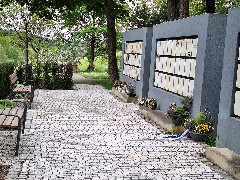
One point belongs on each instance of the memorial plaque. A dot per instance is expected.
(177, 66)
(173, 48)
(169, 47)
(178, 48)
(193, 66)
(194, 50)
(181, 67)
(185, 89)
(171, 83)
(239, 53)
(191, 87)
(180, 86)
(172, 61)
(188, 67)
(238, 78)
(189, 47)
(183, 47)
(237, 104)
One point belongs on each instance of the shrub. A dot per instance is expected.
(47, 75)
(6, 69)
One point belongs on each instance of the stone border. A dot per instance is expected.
(160, 119)
(225, 159)
(124, 97)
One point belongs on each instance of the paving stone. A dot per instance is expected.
(88, 134)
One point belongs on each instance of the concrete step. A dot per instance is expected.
(225, 159)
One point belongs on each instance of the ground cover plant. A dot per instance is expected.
(99, 76)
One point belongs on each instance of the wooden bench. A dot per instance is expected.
(14, 118)
(28, 89)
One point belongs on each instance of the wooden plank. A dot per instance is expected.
(20, 113)
(2, 119)
(9, 119)
(13, 78)
(22, 89)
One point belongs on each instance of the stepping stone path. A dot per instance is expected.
(89, 134)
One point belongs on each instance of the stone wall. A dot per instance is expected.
(136, 59)
(186, 60)
(229, 107)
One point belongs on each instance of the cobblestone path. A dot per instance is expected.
(89, 134)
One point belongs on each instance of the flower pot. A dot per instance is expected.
(177, 122)
(131, 94)
(197, 136)
(152, 106)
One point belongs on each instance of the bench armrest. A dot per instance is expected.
(31, 82)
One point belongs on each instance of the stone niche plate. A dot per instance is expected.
(237, 103)
(238, 77)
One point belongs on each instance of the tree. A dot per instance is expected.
(109, 7)
(30, 29)
(210, 6)
(147, 15)
(88, 26)
(9, 48)
(198, 7)
(177, 9)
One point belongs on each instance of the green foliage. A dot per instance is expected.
(145, 15)
(6, 69)
(7, 104)
(197, 7)
(9, 50)
(179, 113)
(49, 75)
(210, 140)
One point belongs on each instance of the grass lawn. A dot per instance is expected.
(99, 76)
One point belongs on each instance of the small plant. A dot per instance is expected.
(142, 101)
(7, 104)
(187, 102)
(202, 124)
(179, 113)
(151, 103)
(210, 140)
(170, 109)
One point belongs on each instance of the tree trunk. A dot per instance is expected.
(92, 56)
(183, 9)
(172, 10)
(26, 42)
(111, 41)
(210, 6)
(27, 69)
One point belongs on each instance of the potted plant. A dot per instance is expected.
(177, 114)
(142, 101)
(201, 126)
(187, 102)
(151, 103)
(130, 90)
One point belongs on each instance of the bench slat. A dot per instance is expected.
(9, 119)
(22, 89)
(13, 78)
(2, 119)
(20, 113)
